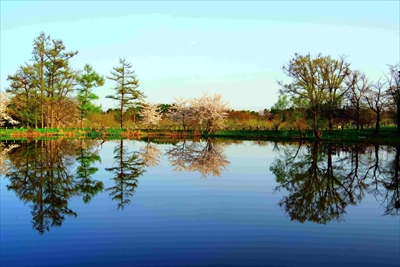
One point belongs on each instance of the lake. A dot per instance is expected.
(198, 203)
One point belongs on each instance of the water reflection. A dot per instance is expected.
(207, 158)
(323, 179)
(150, 155)
(40, 173)
(127, 168)
(5, 148)
(319, 180)
(88, 156)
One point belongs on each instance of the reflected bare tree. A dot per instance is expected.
(356, 177)
(127, 168)
(386, 182)
(323, 179)
(180, 155)
(314, 183)
(207, 158)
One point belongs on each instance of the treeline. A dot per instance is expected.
(326, 91)
(324, 94)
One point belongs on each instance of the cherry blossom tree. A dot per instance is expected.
(210, 110)
(181, 112)
(151, 115)
(4, 117)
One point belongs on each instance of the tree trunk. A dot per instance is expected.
(357, 119)
(317, 134)
(330, 121)
(378, 121)
(398, 117)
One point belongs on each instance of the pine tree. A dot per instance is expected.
(126, 91)
(87, 81)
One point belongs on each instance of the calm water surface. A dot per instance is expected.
(208, 203)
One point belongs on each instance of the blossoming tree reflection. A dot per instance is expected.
(207, 158)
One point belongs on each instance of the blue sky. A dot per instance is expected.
(184, 48)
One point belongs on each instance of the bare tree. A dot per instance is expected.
(393, 81)
(359, 86)
(181, 112)
(376, 101)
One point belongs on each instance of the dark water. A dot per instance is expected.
(209, 203)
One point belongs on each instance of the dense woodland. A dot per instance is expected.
(325, 93)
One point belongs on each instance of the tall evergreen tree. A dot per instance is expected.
(87, 80)
(126, 91)
(40, 46)
(60, 78)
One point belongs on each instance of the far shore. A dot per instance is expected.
(386, 135)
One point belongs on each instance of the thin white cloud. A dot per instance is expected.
(192, 42)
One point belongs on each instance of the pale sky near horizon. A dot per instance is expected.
(179, 48)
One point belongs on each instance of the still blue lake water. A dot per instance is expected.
(203, 203)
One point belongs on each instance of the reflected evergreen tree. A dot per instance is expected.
(39, 173)
(314, 182)
(87, 186)
(127, 168)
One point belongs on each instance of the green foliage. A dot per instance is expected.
(281, 105)
(87, 81)
(85, 184)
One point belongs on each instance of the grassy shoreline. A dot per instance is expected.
(386, 135)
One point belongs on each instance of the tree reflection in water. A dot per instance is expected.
(321, 179)
(4, 150)
(206, 158)
(87, 157)
(150, 155)
(40, 172)
(388, 179)
(321, 183)
(127, 168)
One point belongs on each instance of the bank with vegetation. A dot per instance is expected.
(387, 134)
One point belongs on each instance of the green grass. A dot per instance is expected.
(387, 134)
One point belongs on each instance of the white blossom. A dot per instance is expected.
(210, 110)
(150, 114)
(4, 117)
